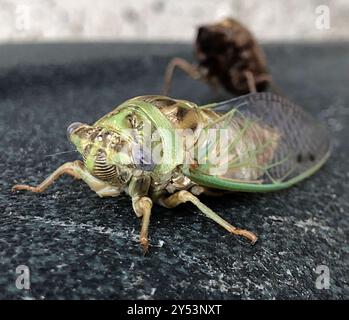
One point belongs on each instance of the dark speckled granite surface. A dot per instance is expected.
(80, 246)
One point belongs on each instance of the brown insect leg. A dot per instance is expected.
(251, 83)
(142, 206)
(184, 196)
(190, 69)
(67, 168)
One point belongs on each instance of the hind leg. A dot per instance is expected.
(185, 196)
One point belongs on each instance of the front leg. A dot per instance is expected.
(190, 69)
(184, 196)
(69, 168)
(78, 171)
(142, 207)
(251, 81)
(138, 189)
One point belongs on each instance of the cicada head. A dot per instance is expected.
(215, 40)
(108, 154)
(226, 51)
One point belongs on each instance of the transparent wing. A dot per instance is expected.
(260, 138)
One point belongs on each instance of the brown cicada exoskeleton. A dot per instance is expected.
(228, 55)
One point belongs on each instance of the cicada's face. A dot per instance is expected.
(211, 40)
(106, 155)
(217, 44)
(218, 41)
(214, 48)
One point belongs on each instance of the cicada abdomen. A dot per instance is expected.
(263, 142)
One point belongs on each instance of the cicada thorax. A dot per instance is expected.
(226, 51)
(181, 114)
(186, 118)
(182, 119)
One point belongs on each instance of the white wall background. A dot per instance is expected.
(169, 20)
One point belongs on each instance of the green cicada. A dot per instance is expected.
(166, 151)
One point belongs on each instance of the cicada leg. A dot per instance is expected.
(142, 207)
(251, 82)
(78, 171)
(185, 196)
(67, 168)
(190, 69)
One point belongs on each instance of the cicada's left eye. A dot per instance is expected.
(72, 127)
(142, 158)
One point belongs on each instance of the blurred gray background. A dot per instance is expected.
(172, 21)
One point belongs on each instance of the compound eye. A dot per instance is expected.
(72, 127)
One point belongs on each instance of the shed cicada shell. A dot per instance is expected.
(228, 56)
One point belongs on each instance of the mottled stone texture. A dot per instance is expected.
(155, 20)
(80, 246)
